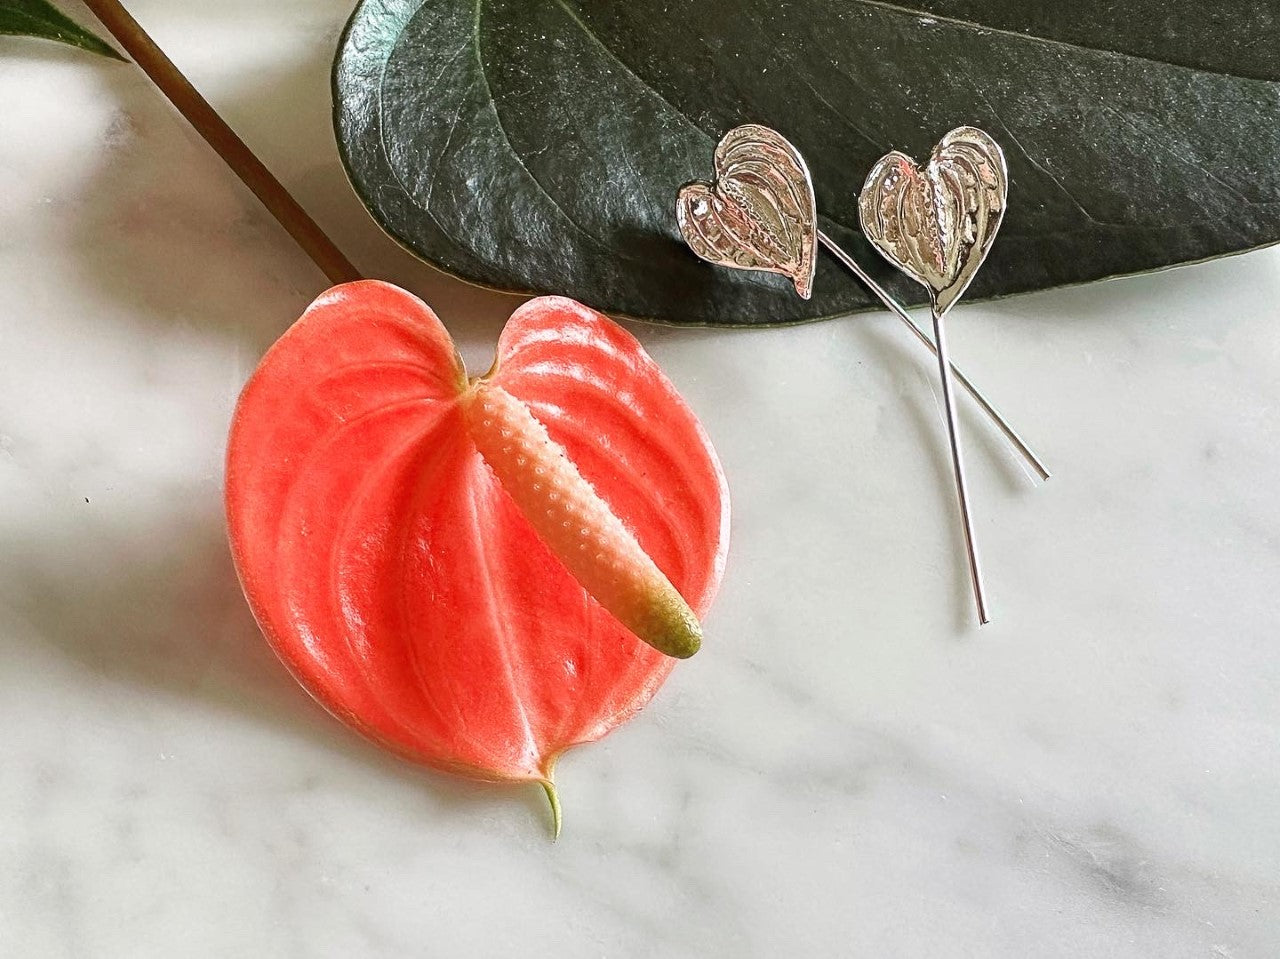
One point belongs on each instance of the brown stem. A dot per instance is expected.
(223, 139)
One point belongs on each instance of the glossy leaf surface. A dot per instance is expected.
(539, 145)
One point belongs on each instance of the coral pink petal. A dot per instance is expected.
(398, 580)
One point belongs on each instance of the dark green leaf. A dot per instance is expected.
(538, 144)
(38, 18)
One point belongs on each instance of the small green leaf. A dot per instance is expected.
(38, 18)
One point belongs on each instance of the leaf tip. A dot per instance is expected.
(111, 53)
(39, 18)
(553, 798)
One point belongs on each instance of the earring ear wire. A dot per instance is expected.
(936, 223)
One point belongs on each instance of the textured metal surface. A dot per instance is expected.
(936, 223)
(759, 213)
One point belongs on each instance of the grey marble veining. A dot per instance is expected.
(848, 768)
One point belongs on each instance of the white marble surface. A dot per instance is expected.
(847, 769)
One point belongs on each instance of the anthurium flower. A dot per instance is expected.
(477, 573)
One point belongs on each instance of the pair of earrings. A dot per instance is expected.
(934, 222)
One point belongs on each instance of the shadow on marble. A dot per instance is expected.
(153, 604)
(923, 402)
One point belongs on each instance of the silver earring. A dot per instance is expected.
(936, 223)
(760, 214)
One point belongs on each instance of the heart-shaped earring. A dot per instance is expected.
(759, 213)
(936, 223)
